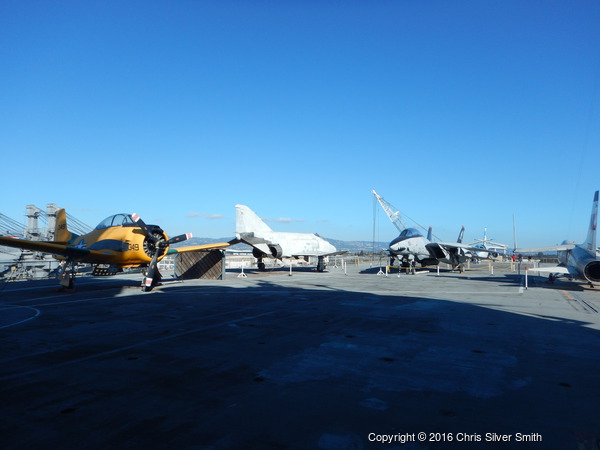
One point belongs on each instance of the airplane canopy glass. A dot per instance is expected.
(410, 232)
(115, 221)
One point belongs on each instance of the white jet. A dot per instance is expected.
(489, 248)
(252, 230)
(577, 261)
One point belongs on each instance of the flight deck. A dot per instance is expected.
(344, 359)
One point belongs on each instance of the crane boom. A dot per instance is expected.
(389, 210)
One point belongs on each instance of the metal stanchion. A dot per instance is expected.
(242, 274)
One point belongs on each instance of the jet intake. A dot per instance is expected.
(276, 251)
(436, 250)
(591, 271)
(257, 253)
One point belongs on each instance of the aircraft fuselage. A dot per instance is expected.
(410, 246)
(285, 244)
(119, 245)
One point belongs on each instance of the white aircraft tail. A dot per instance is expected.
(590, 241)
(246, 221)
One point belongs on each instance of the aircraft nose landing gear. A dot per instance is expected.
(66, 275)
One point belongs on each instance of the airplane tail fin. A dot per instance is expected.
(429, 233)
(590, 241)
(461, 235)
(246, 221)
(61, 232)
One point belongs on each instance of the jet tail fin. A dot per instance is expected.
(246, 221)
(61, 231)
(590, 241)
(461, 235)
(429, 234)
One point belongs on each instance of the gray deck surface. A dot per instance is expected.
(310, 361)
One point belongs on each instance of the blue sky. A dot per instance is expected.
(457, 112)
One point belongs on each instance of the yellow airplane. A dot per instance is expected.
(119, 241)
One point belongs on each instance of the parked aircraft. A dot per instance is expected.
(119, 241)
(411, 246)
(252, 230)
(576, 261)
(489, 248)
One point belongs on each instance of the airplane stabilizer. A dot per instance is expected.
(61, 231)
(461, 234)
(590, 242)
(247, 221)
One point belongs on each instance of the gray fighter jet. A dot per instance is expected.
(576, 261)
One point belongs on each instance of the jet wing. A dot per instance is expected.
(463, 246)
(195, 248)
(552, 269)
(554, 248)
(320, 253)
(438, 249)
(51, 247)
(248, 238)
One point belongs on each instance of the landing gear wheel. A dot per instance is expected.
(146, 287)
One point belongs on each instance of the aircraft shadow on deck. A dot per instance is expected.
(363, 361)
(536, 282)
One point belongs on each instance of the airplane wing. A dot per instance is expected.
(463, 246)
(435, 248)
(551, 269)
(444, 245)
(51, 247)
(195, 248)
(320, 253)
(78, 253)
(554, 248)
(249, 239)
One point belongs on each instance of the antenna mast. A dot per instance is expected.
(514, 232)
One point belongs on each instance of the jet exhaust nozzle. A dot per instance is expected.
(592, 271)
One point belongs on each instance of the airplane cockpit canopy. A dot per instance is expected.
(115, 221)
(410, 232)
